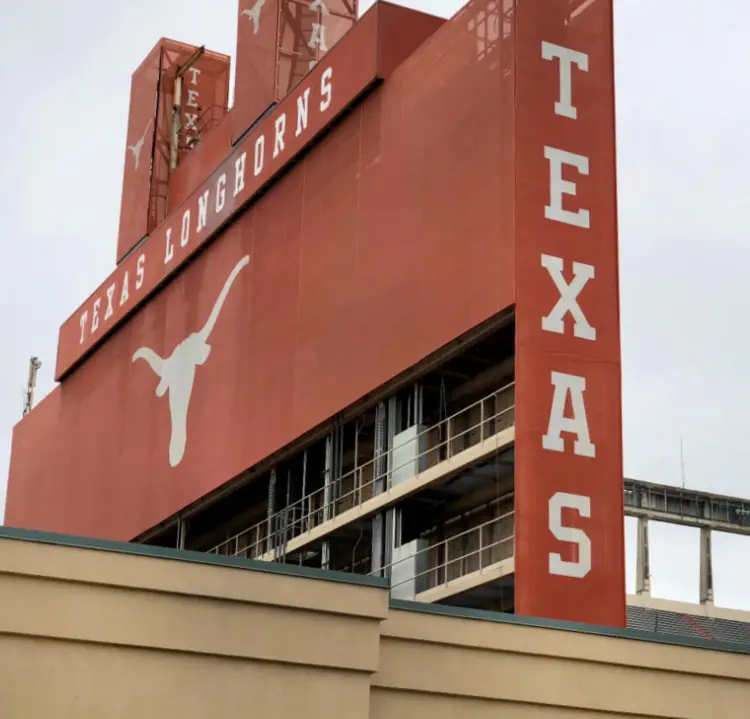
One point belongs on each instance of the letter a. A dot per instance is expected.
(577, 424)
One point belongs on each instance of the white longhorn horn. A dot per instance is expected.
(208, 327)
(152, 359)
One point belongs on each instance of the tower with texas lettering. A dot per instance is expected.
(569, 494)
(416, 373)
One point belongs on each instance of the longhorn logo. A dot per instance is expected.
(138, 146)
(254, 14)
(177, 372)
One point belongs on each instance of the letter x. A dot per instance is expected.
(192, 119)
(568, 301)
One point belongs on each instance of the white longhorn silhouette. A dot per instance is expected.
(136, 149)
(254, 14)
(177, 372)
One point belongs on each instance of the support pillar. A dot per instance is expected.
(325, 555)
(182, 527)
(643, 568)
(379, 468)
(706, 590)
(270, 518)
(392, 525)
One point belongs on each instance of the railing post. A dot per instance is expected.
(481, 421)
(481, 547)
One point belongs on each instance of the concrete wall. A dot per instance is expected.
(104, 630)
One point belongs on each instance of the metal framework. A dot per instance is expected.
(433, 455)
(691, 508)
(375, 488)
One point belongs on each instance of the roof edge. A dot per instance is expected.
(193, 557)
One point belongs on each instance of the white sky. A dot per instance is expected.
(683, 98)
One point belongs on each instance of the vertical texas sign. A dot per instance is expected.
(569, 494)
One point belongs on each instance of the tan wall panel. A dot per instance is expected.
(386, 704)
(67, 610)
(66, 680)
(522, 638)
(560, 668)
(55, 561)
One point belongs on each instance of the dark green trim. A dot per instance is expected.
(637, 634)
(144, 550)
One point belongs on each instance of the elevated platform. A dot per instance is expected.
(689, 507)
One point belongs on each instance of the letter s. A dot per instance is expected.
(139, 271)
(558, 502)
(326, 89)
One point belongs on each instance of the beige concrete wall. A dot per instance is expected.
(108, 631)
(94, 634)
(443, 666)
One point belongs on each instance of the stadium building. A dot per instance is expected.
(362, 342)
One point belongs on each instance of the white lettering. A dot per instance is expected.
(84, 320)
(564, 385)
(185, 232)
(568, 58)
(110, 296)
(278, 144)
(125, 292)
(559, 187)
(303, 105)
(202, 210)
(260, 148)
(95, 315)
(580, 568)
(139, 271)
(239, 174)
(326, 89)
(318, 37)
(221, 183)
(169, 250)
(193, 95)
(192, 119)
(196, 72)
(568, 301)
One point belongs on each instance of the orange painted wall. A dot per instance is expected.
(146, 176)
(350, 256)
(556, 574)
(255, 84)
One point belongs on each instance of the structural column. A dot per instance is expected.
(379, 471)
(706, 591)
(643, 567)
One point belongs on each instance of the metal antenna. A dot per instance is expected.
(682, 462)
(28, 399)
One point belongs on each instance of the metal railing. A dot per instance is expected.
(443, 562)
(443, 440)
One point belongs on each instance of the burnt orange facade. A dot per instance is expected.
(278, 43)
(321, 270)
(569, 544)
(324, 312)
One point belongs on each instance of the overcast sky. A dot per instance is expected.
(683, 100)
